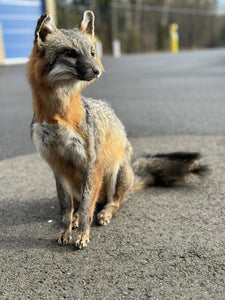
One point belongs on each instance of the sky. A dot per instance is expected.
(221, 6)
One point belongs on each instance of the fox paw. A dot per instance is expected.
(104, 217)
(64, 238)
(75, 221)
(82, 240)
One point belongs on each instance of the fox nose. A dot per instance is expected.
(96, 70)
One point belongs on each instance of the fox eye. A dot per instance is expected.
(70, 53)
(92, 52)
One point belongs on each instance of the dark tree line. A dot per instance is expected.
(143, 25)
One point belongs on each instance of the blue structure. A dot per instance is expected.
(18, 20)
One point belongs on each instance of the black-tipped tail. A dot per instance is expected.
(166, 169)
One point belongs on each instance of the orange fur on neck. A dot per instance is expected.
(49, 104)
(52, 110)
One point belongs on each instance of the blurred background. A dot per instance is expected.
(143, 25)
(152, 90)
(137, 25)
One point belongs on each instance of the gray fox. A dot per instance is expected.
(82, 139)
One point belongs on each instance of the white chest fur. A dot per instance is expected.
(59, 141)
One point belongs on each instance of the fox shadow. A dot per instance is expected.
(36, 223)
(28, 212)
(33, 224)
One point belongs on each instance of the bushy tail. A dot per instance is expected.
(166, 169)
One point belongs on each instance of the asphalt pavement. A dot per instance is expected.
(153, 94)
(164, 243)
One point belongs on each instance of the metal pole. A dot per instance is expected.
(116, 47)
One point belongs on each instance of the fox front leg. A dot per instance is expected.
(91, 188)
(66, 202)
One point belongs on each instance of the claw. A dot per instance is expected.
(64, 238)
(75, 222)
(104, 218)
(82, 241)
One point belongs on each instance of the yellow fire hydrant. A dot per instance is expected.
(174, 37)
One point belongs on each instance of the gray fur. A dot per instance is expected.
(168, 168)
(60, 140)
(65, 202)
(68, 56)
(100, 114)
(69, 63)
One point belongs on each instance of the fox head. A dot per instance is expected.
(63, 56)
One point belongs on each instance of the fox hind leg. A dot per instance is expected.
(75, 221)
(118, 184)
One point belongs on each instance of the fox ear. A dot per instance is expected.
(45, 26)
(88, 23)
